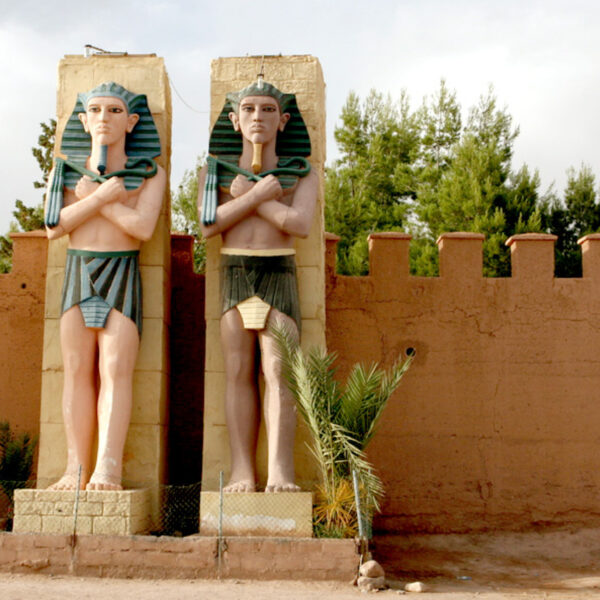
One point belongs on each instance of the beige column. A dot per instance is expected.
(144, 458)
(303, 76)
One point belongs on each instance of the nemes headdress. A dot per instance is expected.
(292, 141)
(141, 146)
(225, 145)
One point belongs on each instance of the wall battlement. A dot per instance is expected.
(496, 422)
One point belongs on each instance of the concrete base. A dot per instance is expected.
(124, 512)
(276, 515)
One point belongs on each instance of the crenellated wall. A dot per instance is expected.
(21, 329)
(497, 422)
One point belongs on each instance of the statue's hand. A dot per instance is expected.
(112, 190)
(268, 188)
(240, 185)
(85, 187)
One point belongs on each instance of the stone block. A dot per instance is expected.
(154, 285)
(278, 515)
(51, 402)
(57, 253)
(150, 393)
(54, 284)
(143, 455)
(109, 526)
(155, 251)
(214, 357)
(64, 524)
(312, 333)
(215, 456)
(52, 458)
(27, 523)
(153, 348)
(310, 290)
(52, 360)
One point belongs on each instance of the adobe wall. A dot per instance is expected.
(21, 329)
(496, 423)
(192, 557)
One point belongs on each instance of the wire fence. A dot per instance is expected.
(182, 510)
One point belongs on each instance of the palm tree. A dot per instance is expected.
(342, 422)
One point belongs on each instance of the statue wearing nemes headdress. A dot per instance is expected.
(259, 193)
(106, 195)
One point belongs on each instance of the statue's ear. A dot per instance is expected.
(132, 120)
(83, 118)
(235, 120)
(285, 117)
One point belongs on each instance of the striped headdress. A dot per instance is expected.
(76, 144)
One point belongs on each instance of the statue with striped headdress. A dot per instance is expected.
(105, 192)
(258, 192)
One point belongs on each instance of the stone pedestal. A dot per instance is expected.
(286, 514)
(124, 512)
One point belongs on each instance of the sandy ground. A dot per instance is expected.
(556, 564)
(42, 587)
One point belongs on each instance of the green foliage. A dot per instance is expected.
(426, 173)
(184, 213)
(16, 460)
(342, 421)
(575, 216)
(44, 152)
(31, 218)
(363, 193)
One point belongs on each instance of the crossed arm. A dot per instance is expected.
(263, 198)
(107, 199)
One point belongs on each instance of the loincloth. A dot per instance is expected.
(101, 281)
(255, 281)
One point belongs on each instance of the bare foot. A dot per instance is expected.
(282, 487)
(243, 486)
(103, 482)
(67, 482)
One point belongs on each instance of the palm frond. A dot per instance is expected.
(341, 423)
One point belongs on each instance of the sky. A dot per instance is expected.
(541, 57)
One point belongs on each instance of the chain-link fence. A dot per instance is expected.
(182, 510)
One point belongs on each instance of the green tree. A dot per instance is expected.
(184, 213)
(572, 218)
(376, 139)
(30, 218)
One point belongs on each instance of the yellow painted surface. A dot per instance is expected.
(284, 514)
(125, 512)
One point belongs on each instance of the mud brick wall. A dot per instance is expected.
(177, 558)
(22, 294)
(496, 423)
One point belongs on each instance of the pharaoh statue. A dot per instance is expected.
(258, 192)
(106, 195)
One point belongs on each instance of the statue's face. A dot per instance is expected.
(259, 119)
(107, 121)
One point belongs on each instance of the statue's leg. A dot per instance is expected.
(118, 345)
(279, 408)
(241, 400)
(78, 344)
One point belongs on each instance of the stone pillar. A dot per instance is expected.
(144, 457)
(303, 76)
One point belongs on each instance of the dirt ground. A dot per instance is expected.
(43, 587)
(559, 564)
